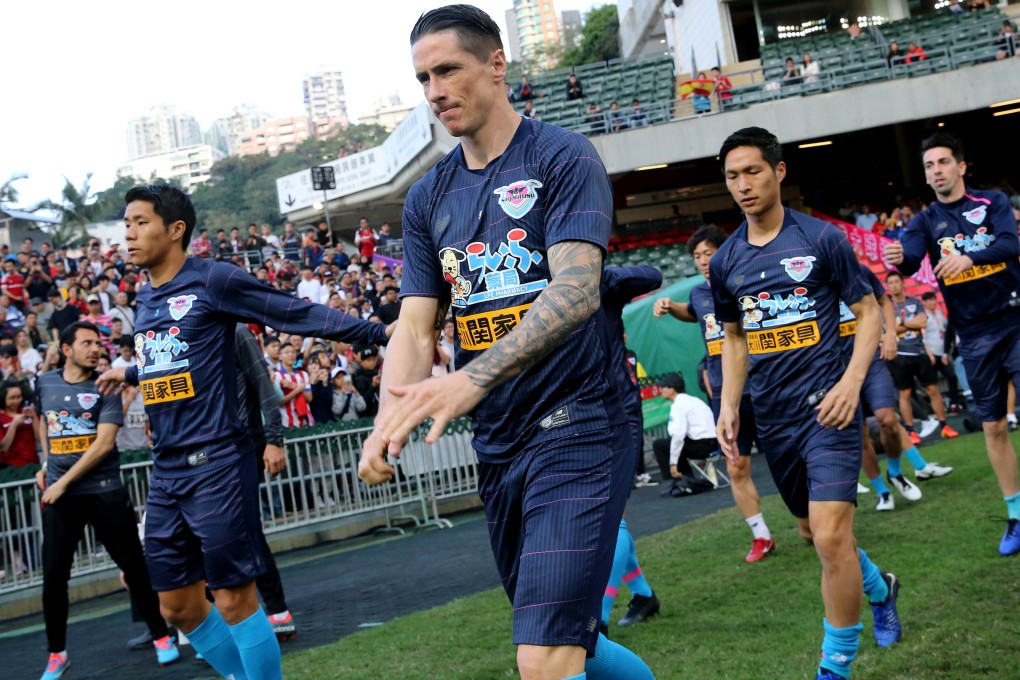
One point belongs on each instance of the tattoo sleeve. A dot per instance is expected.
(567, 302)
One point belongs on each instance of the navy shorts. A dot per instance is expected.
(991, 361)
(810, 462)
(747, 434)
(205, 526)
(878, 391)
(553, 515)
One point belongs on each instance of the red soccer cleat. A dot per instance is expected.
(761, 549)
(914, 438)
(949, 433)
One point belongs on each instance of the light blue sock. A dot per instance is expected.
(259, 649)
(212, 639)
(839, 648)
(1013, 505)
(615, 662)
(895, 469)
(875, 587)
(582, 676)
(624, 545)
(915, 458)
(879, 485)
(633, 575)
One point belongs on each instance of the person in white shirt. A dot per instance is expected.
(311, 288)
(123, 311)
(125, 353)
(691, 430)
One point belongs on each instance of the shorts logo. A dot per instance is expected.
(798, 268)
(519, 198)
(560, 416)
(977, 215)
(162, 349)
(87, 400)
(180, 305)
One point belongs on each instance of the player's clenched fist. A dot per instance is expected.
(661, 307)
(894, 252)
(373, 468)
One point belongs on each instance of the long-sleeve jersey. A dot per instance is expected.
(981, 226)
(186, 363)
(620, 285)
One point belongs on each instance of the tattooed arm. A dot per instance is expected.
(569, 300)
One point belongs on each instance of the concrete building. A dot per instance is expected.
(225, 133)
(570, 28)
(162, 129)
(513, 37)
(280, 134)
(324, 95)
(389, 112)
(536, 32)
(187, 166)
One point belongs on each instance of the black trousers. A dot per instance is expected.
(698, 449)
(113, 519)
(948, 371)
(269, 584)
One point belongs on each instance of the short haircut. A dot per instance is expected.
(928, 296)
(272, 340)
(170, 203)
(707, 232)
(945, 139)
(762, 139)
(894, 274)
(476, 32)
(68, 335)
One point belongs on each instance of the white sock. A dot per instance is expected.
(758, 527)
(1011, 417)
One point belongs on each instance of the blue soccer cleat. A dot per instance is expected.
(56, 667)
(888, 630)
(166, 651)
(828, 675)
(1010, 544)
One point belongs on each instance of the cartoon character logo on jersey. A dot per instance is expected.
(139, 350)
(977, 215)
(87, 399)
(460, 288)
(979, 241)
(798, 268)
(63, 423)
(499, 270)
(947, 247)
(519, 198)
(778, 310)
(713, 329)
(180, 305)
(163, 349)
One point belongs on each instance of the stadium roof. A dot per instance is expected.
(28, 217)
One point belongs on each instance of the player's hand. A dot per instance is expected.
(945, 359)
(727, 429)
(111, 382)
(888, 346)
(931, 358)
(52, 494)
(275, 459)
(839, 406)
(894, 253)
(40, 479)
(18, 419)
(661, 307)
(373, 468)
(441, 399)
(952, 265)
(674, 473)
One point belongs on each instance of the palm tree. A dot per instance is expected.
(78, 208)
(8, 192)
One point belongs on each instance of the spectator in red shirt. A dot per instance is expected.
(914, 52)
(365, 239)
(722, 87)
(202, 246)
(13, 285)
(17, 448)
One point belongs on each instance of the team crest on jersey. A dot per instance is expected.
(87, 399)
(767, 311)
(518, 198)
(180, 305)
(162, 350)
(798, 268)
(977, 215)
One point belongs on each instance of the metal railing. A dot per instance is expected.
(320, 485)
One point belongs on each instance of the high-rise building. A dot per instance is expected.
(186, 166)
(513, 37)
(324, 96)
(537, 31)
(388, 112)
(274, 136)
(162, 129)
(570, 28)
(225, 133)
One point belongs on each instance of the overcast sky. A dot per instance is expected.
(72, 74)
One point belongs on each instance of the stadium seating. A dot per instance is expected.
(671, 259)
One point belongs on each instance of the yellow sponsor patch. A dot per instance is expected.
(783, 339)
(68, 445)
(481, 331)
(847, 328)
(978, 271)
(170, 388)
(714, 348)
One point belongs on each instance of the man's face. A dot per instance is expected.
(941, 171)
(929, 305)
(266, 231)
(235, 233)
(127, 352)
(122, 299)
(669, 393)
(702, 254)
(9, 267)
(287, 355)
(273, 351)
(894, 285)
(391, 296)
(369, 363)
(85, 349)
(461, 90)
(448, 330)
(148, 239)
(95, 308)
(752, 182)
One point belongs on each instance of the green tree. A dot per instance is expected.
(9, 192)
(601, 40)
(77, 208)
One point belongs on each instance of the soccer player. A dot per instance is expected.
(912, 359)
(705, 242)
(81, 485)
(971, 237)
(202, 517)
(879, 398)
(510, 228)
(777, 283)
(619, 286)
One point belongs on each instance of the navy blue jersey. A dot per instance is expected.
(185, 353)
(981, 226)
(703, 307)
(620, 285)
(73, 413)
(480, 238)
(786, 296)
(847, 320)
